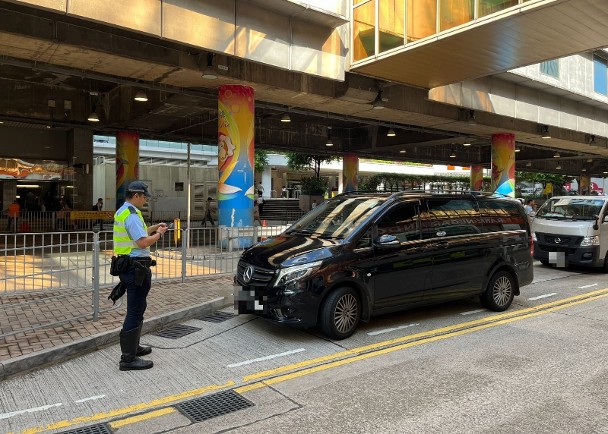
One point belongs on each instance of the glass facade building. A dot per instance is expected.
(381, 25)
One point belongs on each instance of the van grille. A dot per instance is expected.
(259, 277)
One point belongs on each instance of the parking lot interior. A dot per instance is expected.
(183, 96)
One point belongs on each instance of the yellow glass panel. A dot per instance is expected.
(391, 22)
(487, 7)
(364, 37)
(453, 13)
(421, 16)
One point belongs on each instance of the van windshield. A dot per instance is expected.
(336, 218)
(566, 208)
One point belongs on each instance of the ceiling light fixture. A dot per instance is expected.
(467, 142)
(556, 155)
(140, 96)
(517, 149)
(209, 73)
(453, 154)
(583, 169)
(558, 167)
(544, 132)
(285, 118)
(391, 133)
(93, 117)
(329, 143)
(403, 151)
(529, 164)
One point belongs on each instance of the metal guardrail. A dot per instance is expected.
(42, 268)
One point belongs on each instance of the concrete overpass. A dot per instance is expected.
(60, 61)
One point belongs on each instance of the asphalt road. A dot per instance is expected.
(537, 368)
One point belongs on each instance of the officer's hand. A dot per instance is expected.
(162, 229)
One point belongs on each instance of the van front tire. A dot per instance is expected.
(340, 313)
(499, 293)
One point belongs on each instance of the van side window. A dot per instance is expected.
(501, 215)
(401, 221)
(448, 217)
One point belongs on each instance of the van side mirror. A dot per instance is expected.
(387, 240)
(605, 219)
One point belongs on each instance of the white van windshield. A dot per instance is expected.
(336, 218)
(566, 208)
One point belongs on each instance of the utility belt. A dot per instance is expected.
(123, 263)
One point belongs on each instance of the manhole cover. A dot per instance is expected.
(176, 332)
(218, 404)
(217, 317)
(93, 429)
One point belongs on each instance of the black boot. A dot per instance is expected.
(142, 351)
(128, 345)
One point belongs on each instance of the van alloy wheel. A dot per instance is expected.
(500, 291)
(340, 313)
(346, 313)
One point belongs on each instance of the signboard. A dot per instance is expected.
(92, 215)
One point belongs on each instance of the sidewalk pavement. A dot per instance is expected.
(168, 302)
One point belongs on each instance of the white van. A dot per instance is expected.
(572, 230)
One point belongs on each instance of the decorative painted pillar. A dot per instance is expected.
(503, 164)
(476, 177)
(350, 170)
(127, 163)
(236, 193)
(584, 185)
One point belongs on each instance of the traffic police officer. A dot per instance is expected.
(132, 241)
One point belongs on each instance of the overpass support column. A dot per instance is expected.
(584, 184)
(350, 170)
(236, 110)
(476, 177)
(503, 164)
(80, 154)
(127, 163)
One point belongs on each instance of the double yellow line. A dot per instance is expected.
(306, 367)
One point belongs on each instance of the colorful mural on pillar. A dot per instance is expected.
(476, 177)
(503, 164)
(235, 156)
(127, 163)
(350, 170)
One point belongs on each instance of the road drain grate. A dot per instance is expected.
(217, 317)
(207, 407)
(176, 332)
(93, 429)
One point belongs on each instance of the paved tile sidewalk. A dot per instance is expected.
(168, 302)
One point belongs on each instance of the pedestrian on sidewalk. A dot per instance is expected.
(208, 215)
(132, 241)
(99, 207)
(13, 214)
(260, 189)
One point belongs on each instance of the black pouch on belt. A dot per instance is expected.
(141, 271)
(120, 264)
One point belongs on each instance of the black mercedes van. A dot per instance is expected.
(358, 255)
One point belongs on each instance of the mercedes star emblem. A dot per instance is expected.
(248, 274)
(557, 240)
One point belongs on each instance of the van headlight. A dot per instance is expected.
(291, 274)
(590, 241)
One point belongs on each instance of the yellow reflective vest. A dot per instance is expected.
(123, 244)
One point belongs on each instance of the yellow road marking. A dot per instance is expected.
(388, 350)
(130, 409)
(373, 350)
(141, 417)
(421, 335)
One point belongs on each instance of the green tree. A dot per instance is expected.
(297, 161)
(557, 180)
(261, 160)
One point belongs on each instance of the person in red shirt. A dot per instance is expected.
(13, 214)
